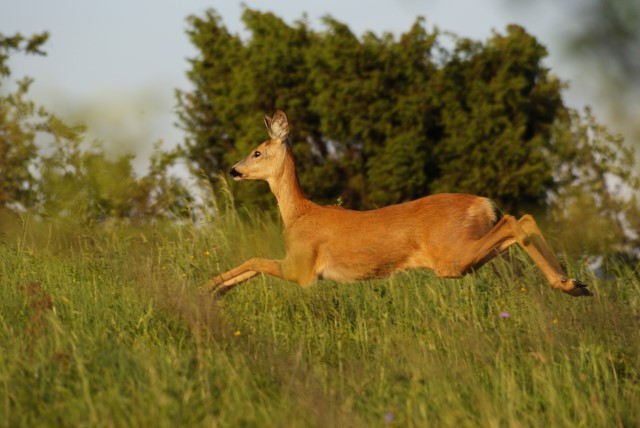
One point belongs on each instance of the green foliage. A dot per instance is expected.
(90, 187)
(17, 147)
(10, 45)
(71, 181)
(595, 208)
(19, 122)
(103, 326)
(499, 105)
(376, 120)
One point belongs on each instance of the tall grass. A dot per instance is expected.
(109, 327)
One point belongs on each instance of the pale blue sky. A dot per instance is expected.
(116, 64)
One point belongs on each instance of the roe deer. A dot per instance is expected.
(451, 234)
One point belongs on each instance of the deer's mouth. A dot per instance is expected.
(237, 175)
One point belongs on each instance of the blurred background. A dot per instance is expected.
(116, 65)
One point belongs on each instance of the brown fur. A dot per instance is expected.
(451, 234)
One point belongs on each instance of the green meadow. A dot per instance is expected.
(109, 326)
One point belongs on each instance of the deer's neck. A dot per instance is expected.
(286, 188)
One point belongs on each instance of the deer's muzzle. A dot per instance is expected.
(235, 173)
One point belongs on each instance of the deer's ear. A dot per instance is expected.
(278, 125)
(267, 123)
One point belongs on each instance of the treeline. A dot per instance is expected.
(73, 178)
(377, 119)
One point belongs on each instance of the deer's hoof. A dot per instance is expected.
(578, 289)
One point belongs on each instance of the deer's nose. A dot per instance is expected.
(234, 173)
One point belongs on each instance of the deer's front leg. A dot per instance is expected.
(224, 282)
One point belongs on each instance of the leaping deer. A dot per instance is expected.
(451, 234)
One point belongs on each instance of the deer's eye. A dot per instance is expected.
(256, 154)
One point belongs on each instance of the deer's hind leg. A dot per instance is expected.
(524, 232)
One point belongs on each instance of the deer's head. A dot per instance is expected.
(266, 161)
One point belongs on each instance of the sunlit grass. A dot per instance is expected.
(108, 327)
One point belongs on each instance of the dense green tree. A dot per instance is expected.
(499, 105)
(235, 84)
(376, 120)
(375, 106)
